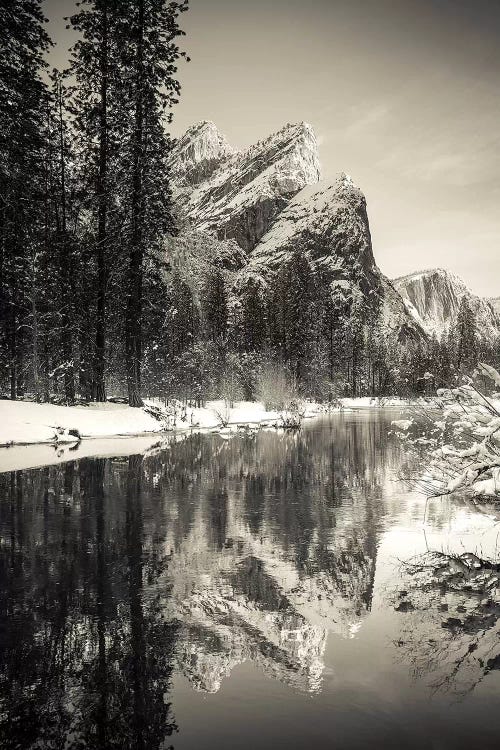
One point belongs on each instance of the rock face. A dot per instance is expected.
(198, 153)
(268, 201)
(240, 194)
(329, 222)
(433, 298)
(495, 304)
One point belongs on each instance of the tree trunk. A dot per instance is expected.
(35, 347)
(99, 389)
(136, 258)
(13, 355)
(65, 271)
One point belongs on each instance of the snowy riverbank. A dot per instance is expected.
(25, 423)
(34, 435)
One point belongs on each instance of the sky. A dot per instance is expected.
(404, 96)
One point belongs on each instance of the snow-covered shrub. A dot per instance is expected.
(230, 386)
(170, 415)
(276, 388)
(291, 417)
(463, 435)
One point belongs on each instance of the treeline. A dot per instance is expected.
(236, 337)
(85, 203)
(94, 302)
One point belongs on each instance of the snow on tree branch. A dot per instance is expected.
(463, 435)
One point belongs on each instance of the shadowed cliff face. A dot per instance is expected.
(495, 304)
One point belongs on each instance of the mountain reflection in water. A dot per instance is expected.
(127, 582)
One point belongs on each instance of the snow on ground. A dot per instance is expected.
(47, 433)
(23, 422)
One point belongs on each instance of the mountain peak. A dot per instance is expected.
(308, 220)
(199, 152)
(428, 272)
(239, 194)
(268, 199)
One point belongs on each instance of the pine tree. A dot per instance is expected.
(214, 306)
(186, 323)
(23, 95)
(62, 239)
(355, 339)
(466, 338)
(149, 62)
(98, 109)
(253, 330)
(292, 316)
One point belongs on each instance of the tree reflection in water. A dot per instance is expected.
(86, 655)
(457, 643)
(216, 550)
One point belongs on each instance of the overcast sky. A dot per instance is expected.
(404, 95)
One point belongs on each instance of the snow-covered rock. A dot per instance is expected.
(198, 153)
(329, 223)
(267, 201)
(242, 193)
(433, 298)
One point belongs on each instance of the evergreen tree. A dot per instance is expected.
(253, 333)
(466, 338)
(292, 316)
(184, 319)
(331, 314)
(98, 108)
(62, 239)
(214, 306)
(149, 63)
(23, 96)
(355, 338)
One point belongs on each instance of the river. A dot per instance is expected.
(265, 589)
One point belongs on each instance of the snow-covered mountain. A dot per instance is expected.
(243, 192)
(199, 152)
(329, 222)
(433, 298)
(269, 200)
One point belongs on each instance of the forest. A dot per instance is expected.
(95, 301)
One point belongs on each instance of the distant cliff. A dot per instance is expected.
(433, 298)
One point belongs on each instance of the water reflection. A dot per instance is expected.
(85, 656)
(458, 642)
(119, 573)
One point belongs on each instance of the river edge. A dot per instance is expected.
(34, 435)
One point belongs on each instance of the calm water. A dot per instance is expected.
(244, 591)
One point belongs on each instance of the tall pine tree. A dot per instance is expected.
(149, 64)
(23, 96)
